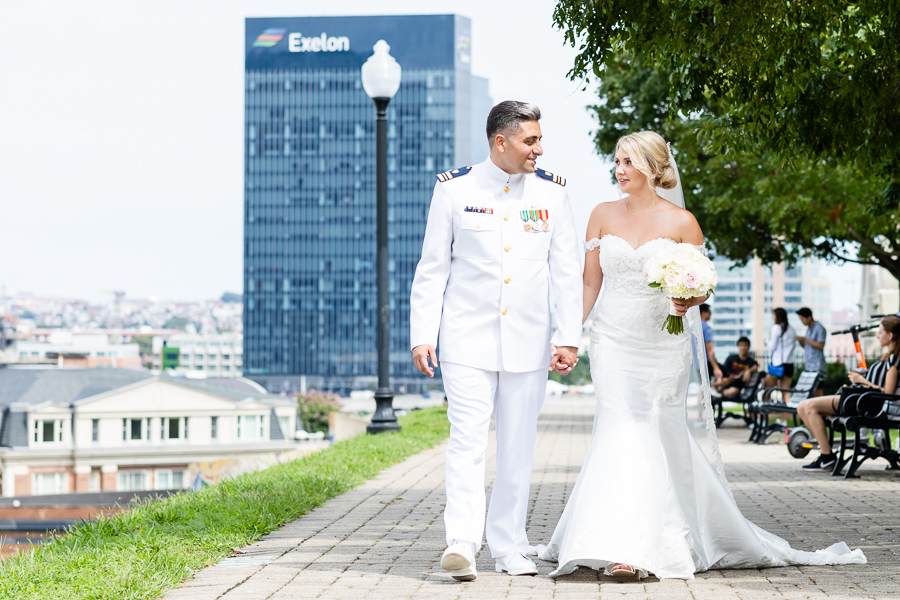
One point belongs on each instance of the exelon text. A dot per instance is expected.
(323, 43)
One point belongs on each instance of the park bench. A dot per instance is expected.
(746, 397)
(874, 411)
(806, 385)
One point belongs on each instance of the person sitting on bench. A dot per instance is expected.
(737, 369)
(881, 376)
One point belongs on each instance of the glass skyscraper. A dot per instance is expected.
(309, 188)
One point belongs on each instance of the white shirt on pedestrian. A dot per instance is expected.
(782, 345)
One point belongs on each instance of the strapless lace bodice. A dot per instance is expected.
(626, 302)
(623, 266)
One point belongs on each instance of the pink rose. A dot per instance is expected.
(691, 279)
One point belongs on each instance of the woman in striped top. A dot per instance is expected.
(881, 376)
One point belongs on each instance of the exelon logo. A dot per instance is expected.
(269, 38)
(322, 43)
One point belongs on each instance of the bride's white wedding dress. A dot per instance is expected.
(647, 496)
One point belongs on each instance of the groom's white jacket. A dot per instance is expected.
(483, 281)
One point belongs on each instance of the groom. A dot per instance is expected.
(499, 234)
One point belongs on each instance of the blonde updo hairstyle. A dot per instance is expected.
(650, 157)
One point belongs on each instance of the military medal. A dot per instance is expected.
(527, 218)
(545, 215)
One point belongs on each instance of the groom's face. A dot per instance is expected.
(520, 151)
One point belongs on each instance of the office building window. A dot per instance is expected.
(95, 430)
(214, 427)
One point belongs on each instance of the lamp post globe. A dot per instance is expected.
(381, 80)
(381, 73)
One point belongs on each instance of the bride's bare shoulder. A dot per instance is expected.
(606, 208)
(687, 226)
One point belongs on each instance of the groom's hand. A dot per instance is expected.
(421, 354)
(564, 359)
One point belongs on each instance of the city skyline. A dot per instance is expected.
(127, 169)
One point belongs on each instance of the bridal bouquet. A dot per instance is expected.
(680, 271)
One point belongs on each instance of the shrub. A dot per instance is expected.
(835, 376)
(314, 408)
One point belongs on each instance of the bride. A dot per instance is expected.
(647, 500)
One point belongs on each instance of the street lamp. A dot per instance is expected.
(381, 79)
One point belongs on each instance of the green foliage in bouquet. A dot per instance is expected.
(314, 409)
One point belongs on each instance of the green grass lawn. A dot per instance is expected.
(148, 550)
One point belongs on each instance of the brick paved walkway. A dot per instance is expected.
(385, 538)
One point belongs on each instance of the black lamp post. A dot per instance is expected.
(381, 80)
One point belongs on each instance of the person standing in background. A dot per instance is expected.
(715, 371)
(781, 343)
(813, 344)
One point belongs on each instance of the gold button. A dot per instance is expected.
(507, 248)
(506, 189)
(506, 217)
(506, 280)
(504, 312)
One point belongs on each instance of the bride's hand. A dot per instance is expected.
(682, 305)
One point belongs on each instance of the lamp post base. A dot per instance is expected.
(384, 419)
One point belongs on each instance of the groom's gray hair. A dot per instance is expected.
(506, 116)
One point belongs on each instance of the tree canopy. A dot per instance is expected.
(784, 116)
(815, 77)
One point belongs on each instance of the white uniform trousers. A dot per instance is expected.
(515, 401)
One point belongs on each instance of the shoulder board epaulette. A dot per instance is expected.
(551, 177)
(448, 175)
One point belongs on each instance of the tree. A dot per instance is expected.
(145, 344)
(176, 323)
(231, 297)
(750, 204)
(819, 79)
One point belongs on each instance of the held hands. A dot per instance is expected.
(564, 359)
(421, 354)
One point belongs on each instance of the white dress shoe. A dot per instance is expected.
(459, 559)
(516, 564)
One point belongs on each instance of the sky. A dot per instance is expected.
(121, 135)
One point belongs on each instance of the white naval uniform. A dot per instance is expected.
(483, 281)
